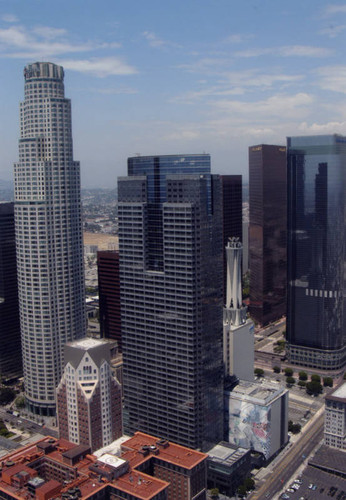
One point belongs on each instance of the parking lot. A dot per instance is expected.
(316, 484)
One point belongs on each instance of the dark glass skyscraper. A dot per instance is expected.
(316, 317)
(10, 346)
(170, 243)
(232, 212)
(267, 232)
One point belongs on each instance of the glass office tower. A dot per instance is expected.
(232, 214)
(10, 346)
(170, 244)
(267, 232)
(48, 234)
(316, 319)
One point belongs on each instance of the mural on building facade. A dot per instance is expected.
(249, 426)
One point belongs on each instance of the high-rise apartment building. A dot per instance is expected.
(89, 401)
(316, 318)
(10, 347)
(109, 294)
(267, 232)
(48, 234)
(170, 243)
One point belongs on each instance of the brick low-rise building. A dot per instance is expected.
(147, 468)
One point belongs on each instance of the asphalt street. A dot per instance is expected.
(291, 461)
(28, 425)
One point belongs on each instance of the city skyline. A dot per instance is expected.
(212, 76)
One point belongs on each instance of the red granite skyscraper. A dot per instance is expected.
(109, 294)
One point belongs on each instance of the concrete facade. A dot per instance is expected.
(335, 419)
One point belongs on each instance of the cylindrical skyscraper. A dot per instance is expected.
(48, 234)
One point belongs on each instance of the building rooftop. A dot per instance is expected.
(88, 475)
(169, 452)
(226, 453)
(114, 448)
(257, 392)
(330, 459)
(87, 343)
(339, 393)
(111, 460)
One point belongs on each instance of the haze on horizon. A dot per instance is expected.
(190, 76)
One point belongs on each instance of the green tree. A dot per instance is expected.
(303, 376)
(249, 484)
(302, 383)
(294, 428)
(214, 493)
(276, 369)
(288, 372)
(290, 380)
(242, 490)
(315, 378)
(327, 381)
(280, 346)
(20, 402)
(314, 388)
(259, 372)
(7, 395)
(246, 285)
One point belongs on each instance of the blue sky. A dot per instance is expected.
(165, 77)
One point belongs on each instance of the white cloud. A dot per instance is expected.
(9, 18)
(116, 91)
(335, 9)
(206, 65)
(239, 83)
(287, 51)
(100, 67)
(48, 32)
(42, 41)
(277, 106)
(323, 128)
(256, 78)
(332, 78)
(190, 97)
(237, 38)
(155, 41)
(184, 133)
(333, 30)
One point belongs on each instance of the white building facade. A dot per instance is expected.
(48, 234)
(238, 329)
(335, 419)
